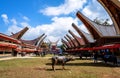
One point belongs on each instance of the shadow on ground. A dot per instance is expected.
(48, 69)
(56, 69)
(100, 64)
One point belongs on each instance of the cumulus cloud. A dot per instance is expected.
(67, 7)
(13, 28)
(54, 31)
(60, 25)
(5, 18)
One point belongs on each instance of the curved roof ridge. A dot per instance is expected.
(6, 37)
(113, 9)
(19, 34)
(66, 43)
(88, 36)
(74, 36)
(80, 33)
(71, 39)
(69, 42)
(81, 41)
(108, 30)
(100, 29)
(34, 41)
(117, 2)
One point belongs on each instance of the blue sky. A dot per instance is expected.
(52, 17)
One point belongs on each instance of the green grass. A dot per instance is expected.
(41, 68)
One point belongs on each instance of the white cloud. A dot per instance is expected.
(14, 21)
(59, 25)
(5, 18)
(67, 7)
(54, 31)
(24, 24)
(26, 18)
(53, 39)
(13, 29)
